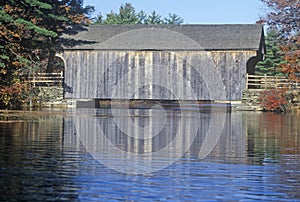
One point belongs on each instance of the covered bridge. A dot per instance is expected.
(161, 62)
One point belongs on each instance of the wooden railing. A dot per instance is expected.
(268, 82)
(46, 79)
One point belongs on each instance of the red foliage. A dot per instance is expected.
(283, 15)
(292, 65)
(13, 96)
(273, 100)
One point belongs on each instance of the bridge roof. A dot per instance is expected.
(168, 37)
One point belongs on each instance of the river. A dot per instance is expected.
(156, 154)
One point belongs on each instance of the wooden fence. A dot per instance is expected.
(46, 79)
(252, 81)
(270, 82)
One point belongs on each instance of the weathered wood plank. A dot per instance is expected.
(175, 75)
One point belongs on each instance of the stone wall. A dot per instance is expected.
(250, 100)
(293, 97)
(47, 96)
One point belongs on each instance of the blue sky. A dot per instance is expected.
(192, 11)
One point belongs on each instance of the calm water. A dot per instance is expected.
(149, 155)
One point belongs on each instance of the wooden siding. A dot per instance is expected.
(195, 75)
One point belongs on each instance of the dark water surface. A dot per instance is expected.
(149, 155)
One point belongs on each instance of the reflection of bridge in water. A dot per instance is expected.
(157, 133)
(43, 145)
(250, 137)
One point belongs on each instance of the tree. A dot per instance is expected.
(273, 57)
(17, 36)
(30, 33)
(284, 15)
(154, 18)
(142, 16)
(64, 17)
(128, 15)
(20, 35)
(38, 25)
(173, 19)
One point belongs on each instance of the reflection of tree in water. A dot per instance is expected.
(270, 135)
(32, 158)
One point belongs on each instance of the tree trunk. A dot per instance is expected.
(50, 66)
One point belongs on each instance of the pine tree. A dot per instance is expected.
(273, 58)
(64, 17)
(20, 36)
(173, 19)
(28, 28)
(128, 15)
(30, 33)
(284, 16)
(154, 18)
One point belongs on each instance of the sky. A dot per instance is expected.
(192, 11)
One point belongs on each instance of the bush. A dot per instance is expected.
(273, 100)
(14, 96)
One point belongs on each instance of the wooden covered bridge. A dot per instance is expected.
(161, 62)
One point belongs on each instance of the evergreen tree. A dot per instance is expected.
(20, 36)
(36, 26)
(154, 18)
(66, 16)
(284, 15)
(142, 16)
(128, 15)
(173, 19)
(273, 57)
(30, 33)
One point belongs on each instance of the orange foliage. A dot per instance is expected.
(273, 100)
(283, 15)
(292, 65)
(13, 96)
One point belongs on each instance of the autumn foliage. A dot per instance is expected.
(284, 16)
(273, 100)
(30, 34)
(292, 64)
(14, 96)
